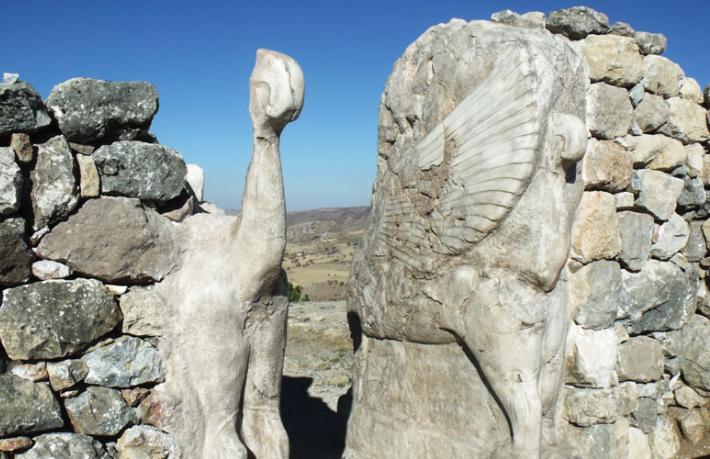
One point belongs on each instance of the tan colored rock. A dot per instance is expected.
(692, 426)
(21, 145)
(665, 443)
(607, 166)
(595, 235)
(89, 182)
(15, 444)
(612, 59)
(30, 371)
(661, 76)
(657, 192)
(651, 113)
(687, 121)
(609, 111)
(695, 153)
(145, 442)
(706, 170)
(690, 90)
(686, 397)
(655, 151)
(630, 367)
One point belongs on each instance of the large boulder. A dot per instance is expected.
(16, 257)
(636, 232)
(661, 76)
(124, 362)
(21, 109)
(99, 411)
(640, 359)
(89, 110)
(144, 310)
(593, 358)
(27, 407)
(695, 354)
(657, 192)
(607, 166)
(612, 59)
(687, 121)
(586, 407)
(672, 237)
(577, 22)
(65, 446)
(140, 170)
(10, 182)
(114, 239)
(54, 319)
(609, 111)
(594, 294)
(596, 230)
(54, 188)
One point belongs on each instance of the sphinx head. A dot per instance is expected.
(276, 91)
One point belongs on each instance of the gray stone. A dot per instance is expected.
(531, 20)
(601, 441)
(636, 94)
(686, 397)
(21, 109)
(53, 319)
(661, 76)
(54, 191)
(586, 407)
(47, 269)
(672, 237)
(99, 411)
(639, 447)
(695, 153)
(90, 110)
(65, 446)
(622, 29)
(146, 442)
(89, 181)
(66, 374)
(140, 170)
(695, 354)
(114, 239)
(649, 288)
(651, 113)
(636, 232)
(696, 248)
(612, 59)
(21, 145)
(609, 111)
(640, 359)
(651, 43)
(593, 357)
(577, 22)
(595, 235)
(27, 407)
(687, 121)
(144, 311)
(15, 255)
(10, 182)
(594, 294)
(624, 200)
(607, 166)
(693, 194)
(692, 426)
(665, 443)
(646, 413)
(124, 362)
(657, 192)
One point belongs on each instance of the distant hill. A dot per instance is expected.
(316, 223)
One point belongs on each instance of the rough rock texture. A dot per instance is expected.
(664, 439)
(67, 373)
(21, 145)
(596, 231)
(661, 76)
(99, 411)
(46, 270)
(15, 255)
(651, 113)
(651, 43)
(21, 109)
(636, 231)
(89, 110)
(640, 359)
(657, 192)
(144, 310)
(595, 290)
(687, 121)
(65, 446)
(140, 170)
(89, 180)
(531, 20)
(586, 407)
(27, 407)
(671, 238)
(146, 442)
(420, 296)
(54, 191)
(612, 59)
(114, 239)
(577, 22)
(607, 166)
(656, 151)
(55, 319)
(695, 354)
(609, 111)
(593, 357)
(124, 362)
(10, 182)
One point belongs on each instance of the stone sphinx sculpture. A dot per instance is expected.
(225, 346)
(458, 286)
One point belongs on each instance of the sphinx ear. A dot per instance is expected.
(570, 134)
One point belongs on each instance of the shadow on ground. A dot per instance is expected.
(314, 431)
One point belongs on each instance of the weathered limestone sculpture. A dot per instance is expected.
(225, 347)
(458, 286)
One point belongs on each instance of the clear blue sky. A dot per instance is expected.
(200, 54)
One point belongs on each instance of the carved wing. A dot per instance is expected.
(472, 167)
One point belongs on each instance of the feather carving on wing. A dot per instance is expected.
(471, 168)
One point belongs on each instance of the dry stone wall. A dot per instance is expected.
(637, 365)
(88, 200)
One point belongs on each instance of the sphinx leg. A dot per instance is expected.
(261, 425)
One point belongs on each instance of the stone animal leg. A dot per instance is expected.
(261, 426)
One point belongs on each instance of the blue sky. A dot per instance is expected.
(200, 54)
